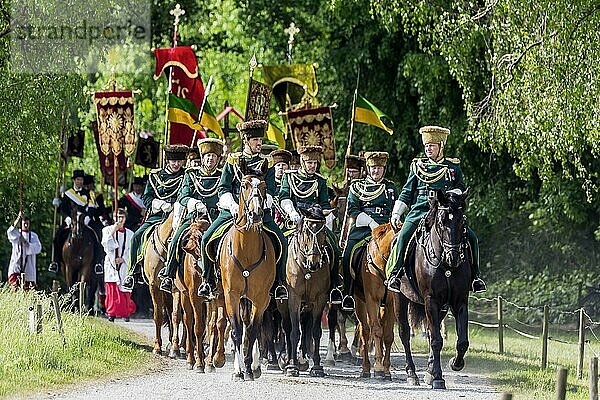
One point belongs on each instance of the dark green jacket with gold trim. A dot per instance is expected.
(304, 190)
(374, 199)
(425, 175)
(231, 176)
(200, 185)
(164, 185)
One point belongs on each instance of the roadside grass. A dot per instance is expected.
(518, 370)
(92, 349)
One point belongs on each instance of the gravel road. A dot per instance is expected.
(173, 381)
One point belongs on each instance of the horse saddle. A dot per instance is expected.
(356, 259)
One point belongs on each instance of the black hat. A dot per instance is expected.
(88, 179)
(252, 129)
(138, 180)
(78, 173)
(355, 162)
(176, 151)
(281, 155)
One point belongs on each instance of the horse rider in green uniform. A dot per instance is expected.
(281, 163)
(252, 133)
(197, 198)
(304, 188)
(161, 192)
(370, 203)
(427, 175)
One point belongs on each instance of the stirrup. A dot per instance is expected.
(163, 273)
(98, 269)
(128, 283)
(393, 284)
(335, 296)
(53, 267)
(348, 303)
(205, 290)
(281, 293)
(478, 285)
(166, 285)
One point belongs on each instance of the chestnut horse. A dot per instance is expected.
(78, 257)
(375, 306)
(247, 263)
(442, 277)
(155, 254)
(195, 310)
(308, 278)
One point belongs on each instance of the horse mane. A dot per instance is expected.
(429, 219)
(380, 232)
(196, 231)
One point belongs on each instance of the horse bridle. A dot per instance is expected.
(446, 247)
(300, 250)
(255, 193)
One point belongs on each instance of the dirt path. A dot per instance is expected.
(174, 381)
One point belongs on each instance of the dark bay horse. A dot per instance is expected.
(78, 256)
(308, 278)
(247, 263)
(442, 276)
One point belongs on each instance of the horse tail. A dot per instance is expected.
(416, 314)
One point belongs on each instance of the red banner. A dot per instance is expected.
(182, 57)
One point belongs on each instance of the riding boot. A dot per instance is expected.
(208, 281)
(335, 295)
(477, 285)
(128, 282)
(166, 285)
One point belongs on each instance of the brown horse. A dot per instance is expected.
(155, 255)
(78, 256)
(308, 278)
(247, 262)
(188, 281)
(375, 305)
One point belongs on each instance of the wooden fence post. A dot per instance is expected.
(500, 327)
(594, 378)
(561, 383)
(581, 344)
(545, 339)
(35, 319)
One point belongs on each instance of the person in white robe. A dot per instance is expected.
(25, 247)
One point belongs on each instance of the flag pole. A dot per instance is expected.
(177, 12)
(252, 64)
(206, 93)
(349, 148)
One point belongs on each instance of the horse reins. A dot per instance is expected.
(300, 249)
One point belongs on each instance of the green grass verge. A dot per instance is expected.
(93, 348)
(518, 370)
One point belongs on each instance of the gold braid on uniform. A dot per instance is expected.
(168, 185)
(429, 177)
(204, 192)
(359, 189)
(302, 194)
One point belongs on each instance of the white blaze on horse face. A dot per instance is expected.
(255, 194)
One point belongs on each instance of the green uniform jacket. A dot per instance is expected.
(426, 175)
(304, 190)
(163, 185)
(199, 185)
(231, 176)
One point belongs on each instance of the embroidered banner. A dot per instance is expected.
(259, 101)
(115, 122)
(106, 161)
(314, 127)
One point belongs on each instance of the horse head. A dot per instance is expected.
(312, 236)
(253, 195)
(448, 220)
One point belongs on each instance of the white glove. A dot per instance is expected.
(157, 205)
(68, 221)
(166, 207)
(269, 203)
(364, 219)
(227, 202)
(329, 221)
(177, 212)
(196, 205)
(399, 209)
(86, 220)
(290, 210)
(56, 202)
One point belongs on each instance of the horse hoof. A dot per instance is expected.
(292, 371)
(438, 384)
(412, 381)
(199, 369)
(428, 378)
(248, 376)
(238, 377)
(182, 355)
(329, 363)
(173, 354)
(345, 357)
(220, 363)
(378, 375)
(156, 351)
(456, 366)
(282, 362)
(273, 367)
(303, 367)
(317, 372)
(257, 373)
(365, 375)
(211, 368)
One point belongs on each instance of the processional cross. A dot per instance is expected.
(177, 12)
(292, 30)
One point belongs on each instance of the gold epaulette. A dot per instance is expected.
(453, 160)
(233, 158)
(155, 170)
